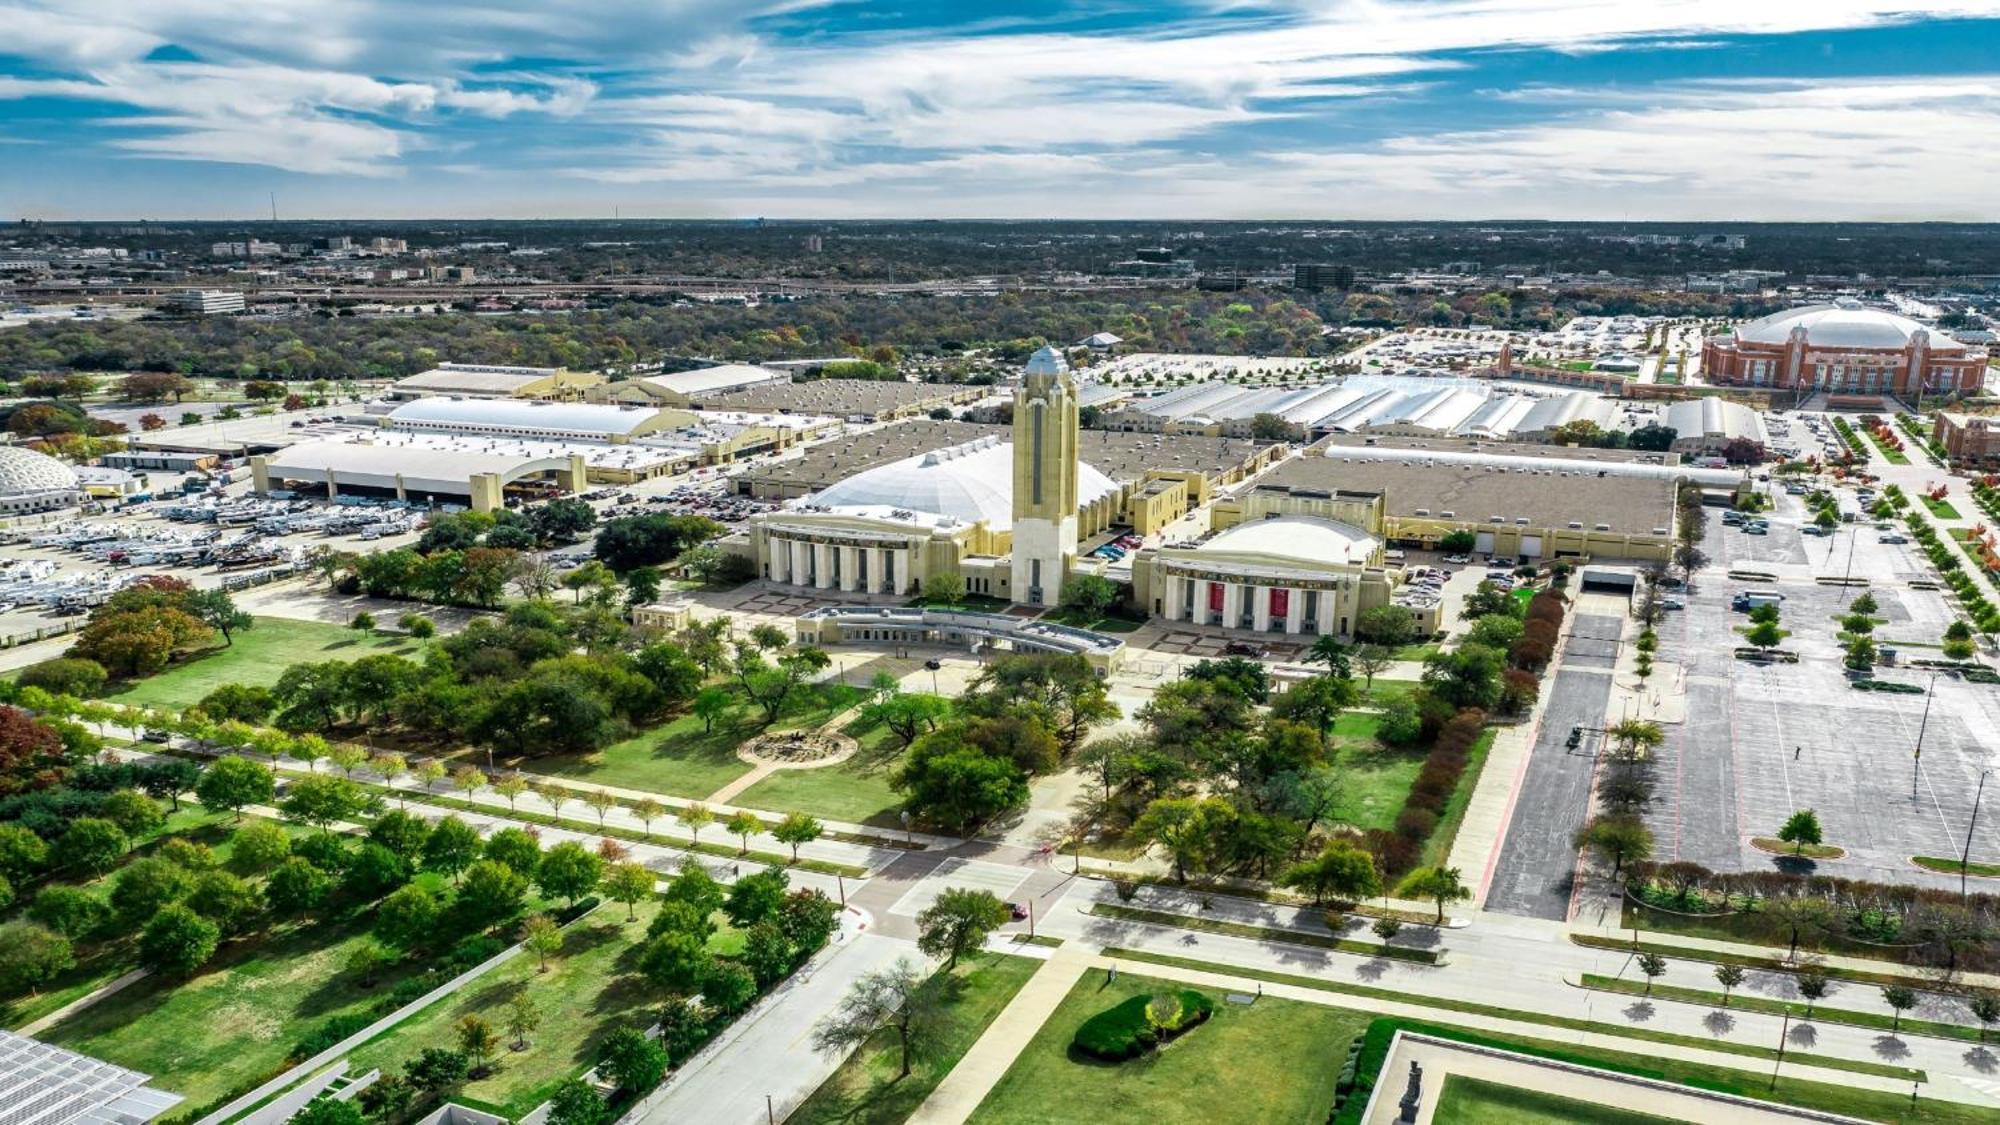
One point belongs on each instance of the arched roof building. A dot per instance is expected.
(1843, 347)
(35, 482)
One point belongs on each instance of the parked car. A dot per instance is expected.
(1893, 538)
(1672, 603)
(1018, 910)
(1756, 529)
(1243, 648)
(1458, 560)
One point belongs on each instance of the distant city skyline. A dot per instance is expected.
(1693, 110)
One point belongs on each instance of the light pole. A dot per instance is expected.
(1965, 857)
(1917, 759)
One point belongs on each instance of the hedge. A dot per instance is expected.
(1124, 1030)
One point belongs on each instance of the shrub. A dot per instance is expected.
(1128, 1029)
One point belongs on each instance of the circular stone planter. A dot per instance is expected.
(798, 748)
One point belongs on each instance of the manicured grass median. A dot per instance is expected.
(1821, 1012)
(866, 1090)
(1942, 509)
(1951, 866)
(1261, 933)
(258, 657)
(1270, 1061)
(1471, 1008)
(1473, 1101)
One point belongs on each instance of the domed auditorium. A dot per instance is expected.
(1843, 348)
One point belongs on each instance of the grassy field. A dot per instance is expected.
(590, 990)
(1377, 777)
(682, 760)
(856, 791)
(1471, 1101)
(236, 1019)
(1274, 1060)
(866, 1089)
(260, 655)
(1942, 509)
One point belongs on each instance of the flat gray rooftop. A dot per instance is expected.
(1551, 498)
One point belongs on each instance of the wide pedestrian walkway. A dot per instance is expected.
(976, 1074)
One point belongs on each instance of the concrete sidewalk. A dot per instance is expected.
(974, 1077)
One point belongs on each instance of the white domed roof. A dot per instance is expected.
(970, 482)
(1047, 361)
(1843, 324)
(24, 471)
(1309, 539)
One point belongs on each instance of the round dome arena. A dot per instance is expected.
(972, 483)
(34, 482)
(1844, 324)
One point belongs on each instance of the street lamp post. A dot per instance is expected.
(1965, 857)
(1917, 759)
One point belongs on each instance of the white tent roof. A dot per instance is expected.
(970, 482)
(581, 418)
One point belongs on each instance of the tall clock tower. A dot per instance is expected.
(1045, 458)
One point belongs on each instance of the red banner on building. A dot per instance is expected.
(1281, 601)
(1215, 597)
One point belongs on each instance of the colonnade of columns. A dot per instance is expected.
(833, 566)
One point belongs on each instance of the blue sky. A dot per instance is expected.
(1640, 109)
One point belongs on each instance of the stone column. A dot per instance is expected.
(1232, 604)
(1295, 613)
(801, 562)
(822, 566)
(1260, 607)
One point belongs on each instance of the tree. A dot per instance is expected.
(1765, 634)
(1901, 998)
(417, 625)
(522, 1017)
(490, 892)
(710, 704)
(642, 585)
(1728, 976)
(232, 783)
(1812, 982)
(902, 998)
(1617, 838)
(944, 588)
(70, 911)
(451, 847)
(1089, 594)
(437, 1071)
(477, 1042)
(1985, 1005)
(177, 941)
(92, 845)
(1188, 828)
(542, 937)
(676, 962)
(322, 801)
(296, 887)
(22, 853)
(796, 829)
(1801, 829)
(576, 1103)
(601, 802)
(1372, 660)
(133, 812)
(31, 956)
(1439, 884)
(628, 883)
(1341, 870)
(1653, 965)
(84, 679)
(742, 825)
(366, 961)
(510, 786)
(959, 921)
(517, 848)
(754, 898)
(694, 817)
(167, 778)
(907, 714)
(767, 953)
(1387, 625)
(409, 917)
(568, 871)
(217, 610)
(363, 622)
(328, 1111)
(468, 780)
(630, 1061)
(147, 884)
(955, 785)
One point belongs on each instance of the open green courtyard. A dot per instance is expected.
(258, 657)
(867, 1089)
(1268, 1061)
(1474, 1101)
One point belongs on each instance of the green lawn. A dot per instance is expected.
(866, 1090)
(1377, 778)
(855, 791)
(260, 655)
(1271, 1061)
(682, 760)
(590, 990)
(1384, 689)
(1942, 509)
(234, 1022)
(1472, 1101)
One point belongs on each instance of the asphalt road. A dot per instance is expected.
(1536, 872)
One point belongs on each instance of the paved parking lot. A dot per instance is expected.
(1761, 741)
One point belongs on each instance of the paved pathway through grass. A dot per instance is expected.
(982, 1067)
